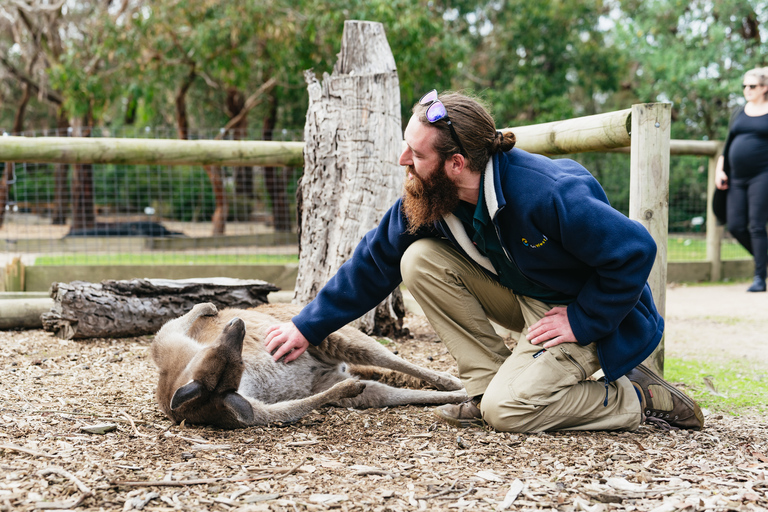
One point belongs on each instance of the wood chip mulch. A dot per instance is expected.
(79, 430)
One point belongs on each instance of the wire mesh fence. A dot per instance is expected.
(158, 215)
(141, 214)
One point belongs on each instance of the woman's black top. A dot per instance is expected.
(746, 148)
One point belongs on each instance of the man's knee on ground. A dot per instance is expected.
(504, 414)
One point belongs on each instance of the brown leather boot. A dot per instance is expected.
(662, 401)
(465, 414)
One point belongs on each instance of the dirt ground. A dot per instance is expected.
(79, 429)
(715, 322)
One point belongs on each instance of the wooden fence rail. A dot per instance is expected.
(95, 150)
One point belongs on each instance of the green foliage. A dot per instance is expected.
(732, 386)
(96, 52)
(425, 39)
(543, 61)
(692, 54)
(37, 187)
(184, 192)
(532, 62)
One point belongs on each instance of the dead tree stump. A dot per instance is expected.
(353, 139)
(118, 309)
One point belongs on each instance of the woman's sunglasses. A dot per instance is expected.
(436, 111)
(751, 86)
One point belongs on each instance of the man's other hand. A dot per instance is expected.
(552, 330)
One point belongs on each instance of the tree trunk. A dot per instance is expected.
(243, 174)
(274, 177)
(182, 121)
(83, 207)
(18, 127)
(5, 177)
(131, 108)
(18, 121)
(219, 219)
(351, 175)
(60, 175)
(115, 309)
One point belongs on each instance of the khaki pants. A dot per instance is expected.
(521, 393)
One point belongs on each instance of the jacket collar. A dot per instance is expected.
(494, 201)
(461, 237)
(489, 188)
(494, 196)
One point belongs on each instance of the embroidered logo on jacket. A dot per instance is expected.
(535, 246)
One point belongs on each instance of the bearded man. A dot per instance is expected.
(486, 232)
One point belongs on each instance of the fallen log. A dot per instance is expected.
(23, 313)
(118, 309)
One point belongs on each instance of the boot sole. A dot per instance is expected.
(456, 422)
(672, 389)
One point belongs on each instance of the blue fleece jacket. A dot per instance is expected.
(556, 224)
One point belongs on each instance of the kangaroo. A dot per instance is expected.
(214, 369)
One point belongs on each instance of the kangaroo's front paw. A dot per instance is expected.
(447, 382)
(205, 309)
(349, 388)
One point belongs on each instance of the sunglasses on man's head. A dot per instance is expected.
(437, 111)
(751, 86)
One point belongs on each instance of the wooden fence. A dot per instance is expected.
(603, 132)
(649, 145)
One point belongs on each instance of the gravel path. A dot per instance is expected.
(716, 321)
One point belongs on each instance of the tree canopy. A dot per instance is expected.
(127, 63)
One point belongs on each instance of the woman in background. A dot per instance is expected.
(743, 170)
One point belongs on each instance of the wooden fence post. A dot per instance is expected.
(714, 229)
(14, 276)
(649, 194)
(353, 137)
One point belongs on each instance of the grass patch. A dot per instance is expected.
(731, 386)
(684, 248)
(167, 259)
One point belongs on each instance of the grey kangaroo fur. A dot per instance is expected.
(215, 370)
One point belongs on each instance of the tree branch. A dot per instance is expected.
(51, 96)
(253, 100)
(23, 6)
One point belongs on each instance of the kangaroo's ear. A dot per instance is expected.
(240, 407)
(186, 393)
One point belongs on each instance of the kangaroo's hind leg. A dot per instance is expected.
(352, 346)
(377, 394)
(293, 410)
(183, 324)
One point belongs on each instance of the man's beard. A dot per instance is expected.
(426, 201)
